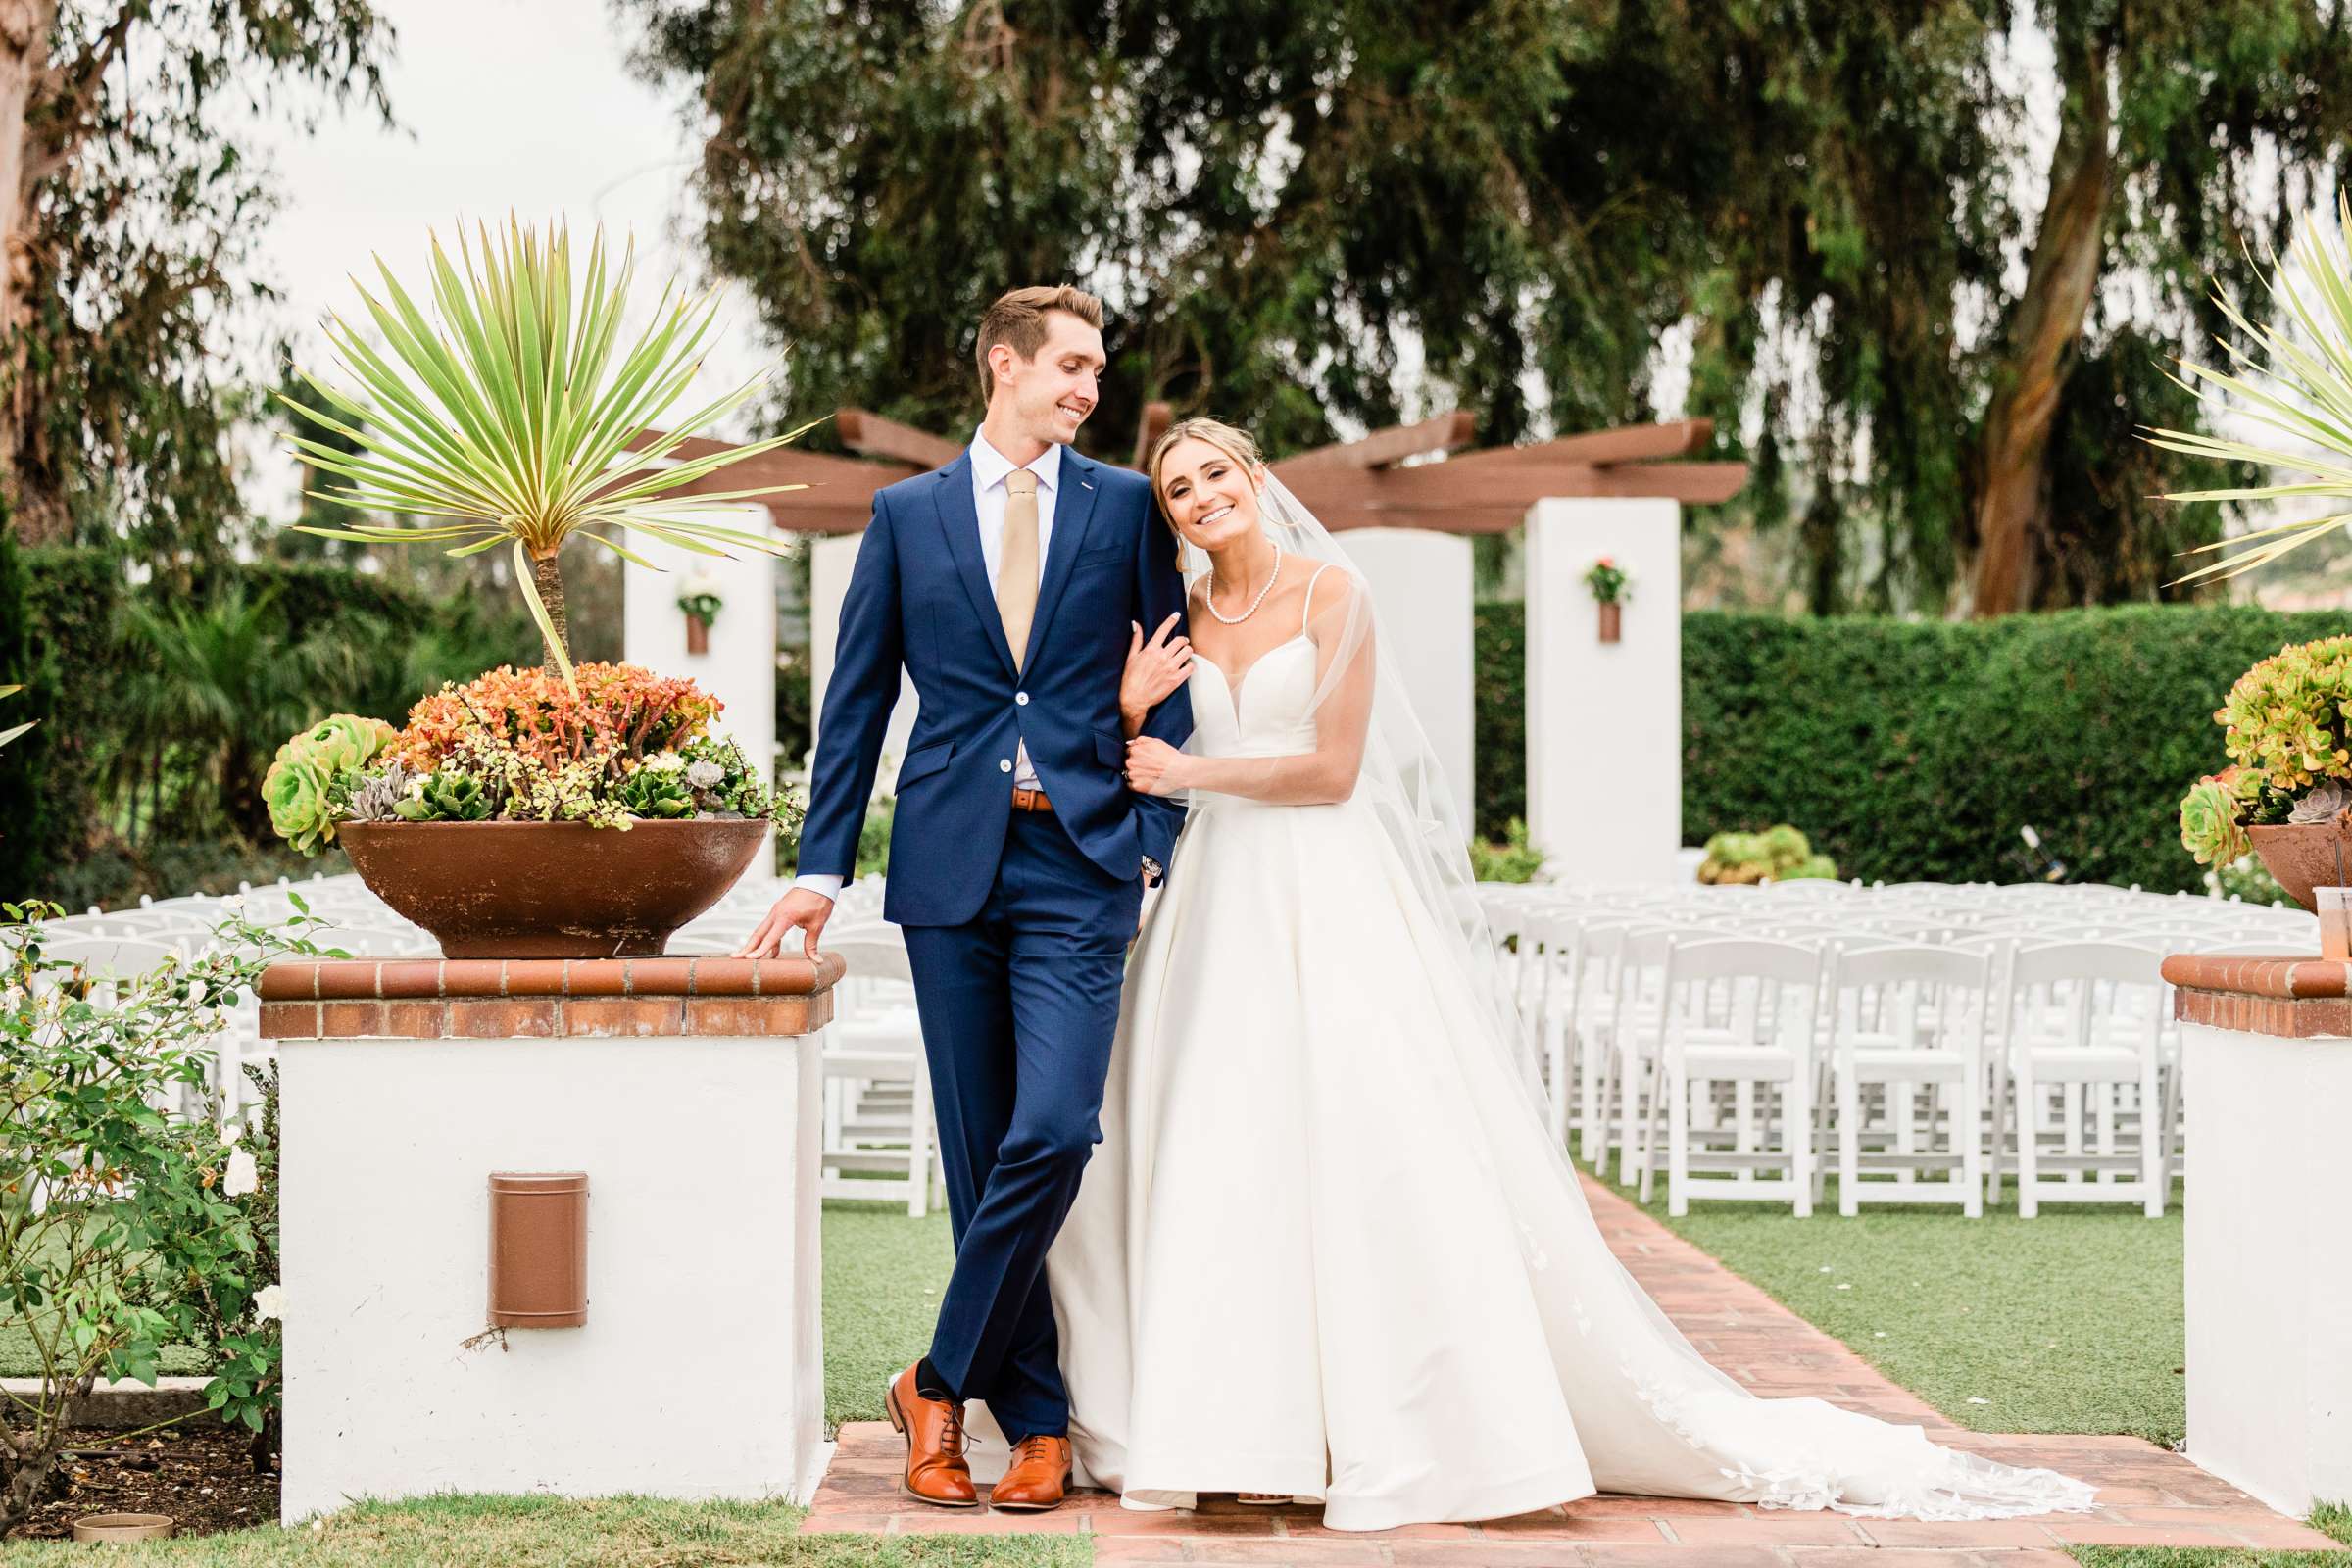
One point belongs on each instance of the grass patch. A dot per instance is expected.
(2070, 1322)
(2332, 1519)
(558, 1533)
(883, 1277)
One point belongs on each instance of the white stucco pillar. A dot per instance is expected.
(835, 555)
(687, 1091)
(1421, 589)
(1604, 720)
(740, 666)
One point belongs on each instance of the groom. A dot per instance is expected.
(1007, 584)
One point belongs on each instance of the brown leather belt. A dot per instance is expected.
(1031, 801)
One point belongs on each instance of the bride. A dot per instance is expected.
(1327, 1248)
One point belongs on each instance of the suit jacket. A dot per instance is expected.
(920, 597)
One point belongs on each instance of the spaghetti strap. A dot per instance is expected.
(1307, 605)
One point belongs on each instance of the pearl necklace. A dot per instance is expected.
(1272, 579)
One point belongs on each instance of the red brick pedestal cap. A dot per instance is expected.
(2295, 997)
(499, 998)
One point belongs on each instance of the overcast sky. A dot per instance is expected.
(502, 105)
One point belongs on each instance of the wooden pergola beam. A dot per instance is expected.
(1437, 485)
(877, 437)
(1446, 432)
(1633, 443)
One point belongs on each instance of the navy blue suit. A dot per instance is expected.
(1016, 923)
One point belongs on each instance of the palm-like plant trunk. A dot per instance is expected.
(548, 578)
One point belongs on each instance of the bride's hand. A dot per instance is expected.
(1153, 766)
(1153, 670)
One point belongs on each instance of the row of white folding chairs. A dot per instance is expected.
(1861, 1037)
(1584, 1015)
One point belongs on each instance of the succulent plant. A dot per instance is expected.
(2323, 802)
(377, 797)
(657, 792)
(295, 789)
(2213, 820)
(447, 796)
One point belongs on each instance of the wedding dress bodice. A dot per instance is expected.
(1265, 711)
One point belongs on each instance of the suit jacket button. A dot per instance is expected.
(1005, 765)
(1021, 698)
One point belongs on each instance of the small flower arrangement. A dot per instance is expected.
(1607, 580)
(2285, 733)
(524, 746)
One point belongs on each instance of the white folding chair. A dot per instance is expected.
(1906, 1019)
(1742, 1013)
(878, 1137)
(2085, 1019)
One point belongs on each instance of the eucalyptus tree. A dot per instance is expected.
(129, 212)
(1929, 332)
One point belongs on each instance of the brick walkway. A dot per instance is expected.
(2148, 1496)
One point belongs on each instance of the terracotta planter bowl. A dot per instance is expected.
(550, 890)
(2302, 855)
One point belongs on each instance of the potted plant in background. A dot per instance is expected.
(1609, 584)
(2287, 792)
(568, 812)
(700, 605)
(1778, 854)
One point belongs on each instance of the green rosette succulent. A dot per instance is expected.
(657, 792)
(447, 796)
(344, 743)
(295, 789)
(2213, 817)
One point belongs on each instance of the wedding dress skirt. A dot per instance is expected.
(1327, 1247)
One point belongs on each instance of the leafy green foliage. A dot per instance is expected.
(119, 1234)
(140, 249)
(1918, 750)
(1824, 201)
(1778, 854)
(1515, 860)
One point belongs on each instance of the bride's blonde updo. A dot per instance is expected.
(1231, 440)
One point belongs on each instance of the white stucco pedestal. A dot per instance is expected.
(2267, 1061)
(687, 1092)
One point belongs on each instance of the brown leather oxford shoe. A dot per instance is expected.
(936, 1471)
(1039, 1478)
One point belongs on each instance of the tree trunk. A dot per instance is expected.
(2013, 448)
(548, 578)
(24, 26)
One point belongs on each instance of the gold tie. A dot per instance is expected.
(1016, 565)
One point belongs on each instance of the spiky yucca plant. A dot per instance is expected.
(506, 417)
(2303, 392)
(7, 735)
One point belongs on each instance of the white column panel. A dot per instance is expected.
(740, 670)
(1604, 720)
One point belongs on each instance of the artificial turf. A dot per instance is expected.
(2068, 1322)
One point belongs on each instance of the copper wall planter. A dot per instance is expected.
(1612, 622)
(538, 1250)
(698, 635)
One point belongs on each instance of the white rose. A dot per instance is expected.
(269, 1303)
(244, 1174)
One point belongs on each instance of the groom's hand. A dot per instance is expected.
(799, 909)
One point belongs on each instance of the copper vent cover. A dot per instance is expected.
(538, 1250)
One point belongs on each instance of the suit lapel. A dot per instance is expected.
(1073, 510)
(959, 524)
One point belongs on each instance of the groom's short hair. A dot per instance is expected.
(1018, 320)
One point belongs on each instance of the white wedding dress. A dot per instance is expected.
(1327, 1247)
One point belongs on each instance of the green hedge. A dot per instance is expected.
(78, 658)
(1910, 751)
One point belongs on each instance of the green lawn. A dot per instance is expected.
(2069, 1322)
(883, 1275)
(555, 1533)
